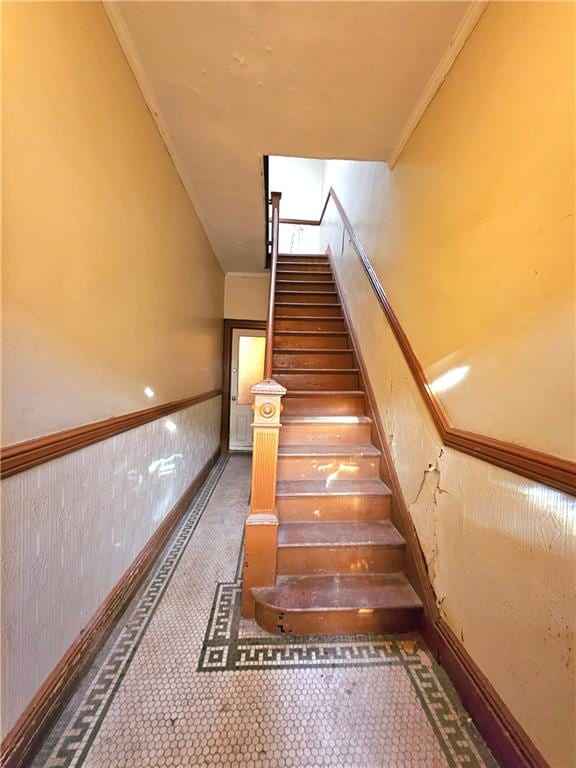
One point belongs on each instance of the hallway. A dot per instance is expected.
(184, 681)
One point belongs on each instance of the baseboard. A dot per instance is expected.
(23, 740)
(509, 743)
(505, 737)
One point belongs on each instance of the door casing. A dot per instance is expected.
(229, 326)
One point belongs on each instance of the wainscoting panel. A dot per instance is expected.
(72, 526)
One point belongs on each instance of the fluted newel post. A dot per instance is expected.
(261, 532)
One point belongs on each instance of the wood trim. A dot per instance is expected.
(275, 198)
(266, 184)
(508, 741)
(27, 734)
(469, 21)
(25, 455)
(505, 736)
(542, 467)
(417, 569)
(229, 326)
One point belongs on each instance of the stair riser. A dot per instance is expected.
(353, 622)
(306, 341)
(313, 360)
(307, 297)
(295, 278)
(316, 310)
(323, 269)
(308, 468)
(300, 285)
(300, 561)
(325, 434)
(317, 381)
(301, 258)
(323, 406)
(320, 509)
(302, 324)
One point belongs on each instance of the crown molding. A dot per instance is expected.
(469, 21)
(129, 49)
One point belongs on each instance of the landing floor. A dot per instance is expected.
(186, 682)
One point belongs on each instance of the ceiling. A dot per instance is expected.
(229, 82)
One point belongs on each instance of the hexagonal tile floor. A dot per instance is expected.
(185, 681)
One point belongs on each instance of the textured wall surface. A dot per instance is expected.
(472, 234)
(500, 549)
(73, 526)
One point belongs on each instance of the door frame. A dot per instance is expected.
(229, 326)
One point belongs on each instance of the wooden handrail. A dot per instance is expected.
(312, 222)
(261, 528)
(275, 201)
(542, 467)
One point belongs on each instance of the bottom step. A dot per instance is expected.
(338, 605)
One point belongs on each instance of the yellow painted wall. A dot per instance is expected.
(110, 284)
(246, 296)
(472, 236)
(472, 233)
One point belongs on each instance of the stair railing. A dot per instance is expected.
(261, 530)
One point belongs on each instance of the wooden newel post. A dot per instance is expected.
(261, 531)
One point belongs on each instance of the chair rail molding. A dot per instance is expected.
(29, 453)
(544, 468)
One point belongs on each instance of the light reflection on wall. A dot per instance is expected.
(552, 501)
(164, 466)
(449, 379)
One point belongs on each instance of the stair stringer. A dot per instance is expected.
(416, 566)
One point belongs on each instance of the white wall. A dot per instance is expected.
(73, 526)
(301, 181)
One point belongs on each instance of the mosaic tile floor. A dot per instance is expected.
(186, 682)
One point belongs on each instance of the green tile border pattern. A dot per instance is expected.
(75, 742)
(224, 650)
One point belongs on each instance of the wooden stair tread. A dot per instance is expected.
(359, 487)
(307, 317)
(339, 534)
(324, 393)
(280, 292)
(341, 593)
(314, 450)
(307, 351)
(308, 280)
(314, 420)
(320, 266)
(313, 370)
(305, 304)
(311, 333)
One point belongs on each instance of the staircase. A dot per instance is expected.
(340, 560)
